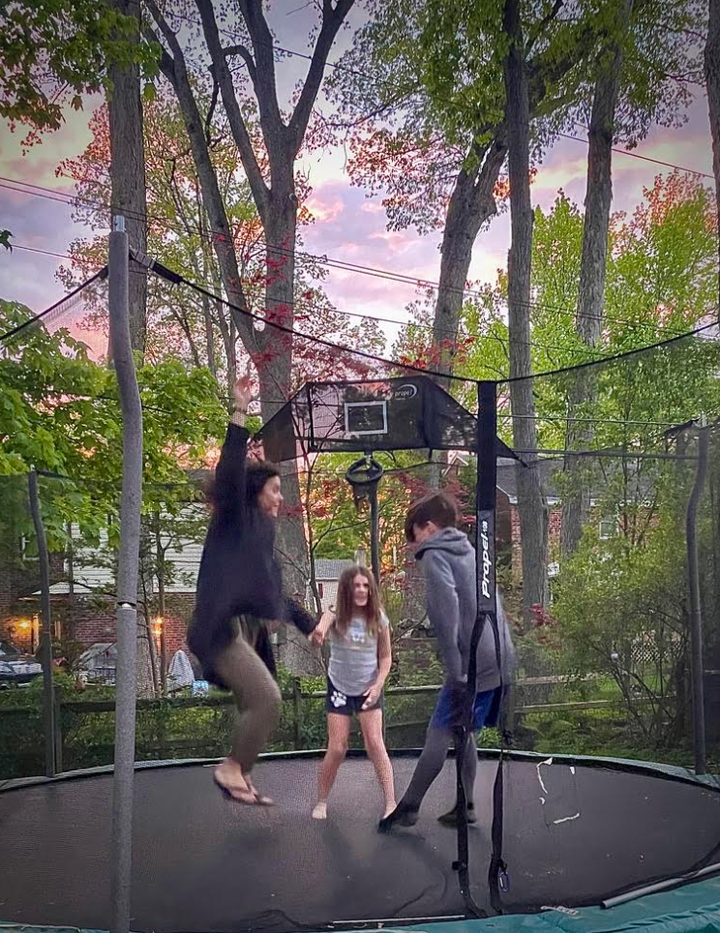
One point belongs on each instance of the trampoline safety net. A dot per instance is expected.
(603, 489)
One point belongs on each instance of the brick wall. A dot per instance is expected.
(178, 610)
(554, 525)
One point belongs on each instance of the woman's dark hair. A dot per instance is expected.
(257, 473)
(436, 507)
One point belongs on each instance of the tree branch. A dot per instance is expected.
(238, 128)
(265, 87)
(244, 53)
(333, 19)
(545, 21)
(175, 70)
(211, 110)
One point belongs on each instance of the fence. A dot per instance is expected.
(548, 715)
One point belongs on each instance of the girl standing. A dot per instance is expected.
(360, 660)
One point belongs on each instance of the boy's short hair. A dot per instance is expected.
(436, 507)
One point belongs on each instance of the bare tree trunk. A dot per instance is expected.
(273, 192)
(128, 194)
(209, 337)
(532, 506)
(471, 205)
(598, 199)
(712, 78)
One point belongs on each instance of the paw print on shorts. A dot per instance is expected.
(338, 699)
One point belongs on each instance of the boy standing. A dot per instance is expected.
(448, 562)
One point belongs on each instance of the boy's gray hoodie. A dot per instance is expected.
(448, 562)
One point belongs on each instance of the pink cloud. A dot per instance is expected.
(324, 210)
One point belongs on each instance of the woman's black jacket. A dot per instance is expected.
(238, 571)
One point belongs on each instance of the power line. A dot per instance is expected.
(339, 264)
(643, 158)
(176, 278)
(332, 263)
(42, 252)
(40, 191)
(351, 267)
(338, 66)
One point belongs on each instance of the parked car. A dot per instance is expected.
(16, 668)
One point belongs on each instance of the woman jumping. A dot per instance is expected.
(239, 589)
(360, 660)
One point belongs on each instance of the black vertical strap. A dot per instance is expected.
(487, 603)
(486, 609)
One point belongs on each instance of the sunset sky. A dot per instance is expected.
(348, 225)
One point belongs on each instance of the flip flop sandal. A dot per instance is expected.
(261, 799)
(239, 796)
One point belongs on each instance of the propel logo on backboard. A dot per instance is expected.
(486, 562)
(404, 392)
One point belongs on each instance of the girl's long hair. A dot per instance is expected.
(345, 608)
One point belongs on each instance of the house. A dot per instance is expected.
(83, 600)
(327, 577)
(82, 596)
(507, 518)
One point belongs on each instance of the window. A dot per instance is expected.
(28, 549)
(608, 528)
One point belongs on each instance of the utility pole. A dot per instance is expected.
(127, 580)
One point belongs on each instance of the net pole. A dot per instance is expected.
(374, 534)
(696, 639)
(486, 504)
(46, 631)
(486, 479)
(127, 581)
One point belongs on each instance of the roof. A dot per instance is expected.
(640, 484)
(331, 569)
(507, 478)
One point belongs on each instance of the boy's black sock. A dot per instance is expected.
(402, 815)
(451, 817)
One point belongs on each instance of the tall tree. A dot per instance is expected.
(643, 66)
(269, 161)
(423, 96)
(51, 54)
(127, 164)
(532, 506)
(598, 198)
(180, 324)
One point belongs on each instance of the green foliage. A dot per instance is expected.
(661, 281)
(52, 52)
(437, 95)
(59, 412)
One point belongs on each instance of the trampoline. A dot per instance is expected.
(574, 833)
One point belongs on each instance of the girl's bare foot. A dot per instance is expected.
(320, 811)
(389, 807)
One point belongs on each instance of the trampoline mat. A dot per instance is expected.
(203, 863)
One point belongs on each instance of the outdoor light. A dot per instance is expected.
(157, 624)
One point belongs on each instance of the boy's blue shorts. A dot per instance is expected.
(449, 708)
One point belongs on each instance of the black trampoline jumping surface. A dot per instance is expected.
(572, 835)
